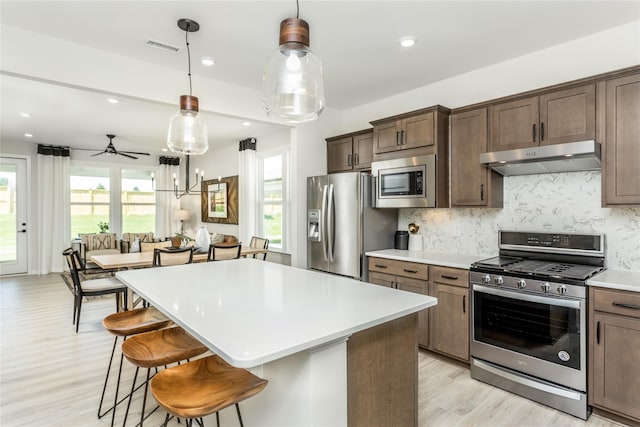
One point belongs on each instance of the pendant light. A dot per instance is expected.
(293, 88)
(187, 130)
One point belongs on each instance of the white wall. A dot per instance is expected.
(556, 202)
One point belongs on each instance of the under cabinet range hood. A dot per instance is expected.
(569, 157)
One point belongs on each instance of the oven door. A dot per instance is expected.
(542, 336)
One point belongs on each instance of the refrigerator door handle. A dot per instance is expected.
(323, 223)
(330, 224)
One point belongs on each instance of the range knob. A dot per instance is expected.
(499, 280)
(522, 284)
(486, 278)
(562, 289)
(545, 287)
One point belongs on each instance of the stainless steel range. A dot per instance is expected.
(529, 311)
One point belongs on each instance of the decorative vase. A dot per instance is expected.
(135, 246)
(203, 240)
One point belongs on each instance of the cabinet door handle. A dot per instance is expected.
(534, 132)
(397, 138)
(349, 160)
(402, 141)
(394, 285)
(598, 333)
(631, 306)
(542, 131)
(381, 266)
(356, 159)
(482, 192)
(410, 271)
(464, 303)
(449, 277)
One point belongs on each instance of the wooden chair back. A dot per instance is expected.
(75, 265)
(163, 257)
(224, 251)
(259, 243)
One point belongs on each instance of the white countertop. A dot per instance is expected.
(624, 280)
(252, 312)
(427, 257)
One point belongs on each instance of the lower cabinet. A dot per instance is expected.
(445, 327)
(615, 352)
(449, 322)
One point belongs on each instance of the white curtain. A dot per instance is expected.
(53, 211)
(247, 190)
(166, 202)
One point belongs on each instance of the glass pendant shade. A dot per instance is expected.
(187, 130)
(293, 88)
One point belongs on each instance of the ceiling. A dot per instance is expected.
(356, 40)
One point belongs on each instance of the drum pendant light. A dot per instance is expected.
(187, 130)
(293, 88)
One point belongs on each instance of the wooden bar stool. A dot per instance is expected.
(155, 349)
(124, 324)
(200, 388)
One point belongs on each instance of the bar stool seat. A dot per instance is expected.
(204, 386)
(158, 348)
(122, 325)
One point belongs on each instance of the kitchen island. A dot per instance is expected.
(336, 351)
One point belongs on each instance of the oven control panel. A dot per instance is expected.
(591, 244)
(534, 286)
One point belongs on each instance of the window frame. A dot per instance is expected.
(285, 201)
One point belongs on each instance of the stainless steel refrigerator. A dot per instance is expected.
(342, 224)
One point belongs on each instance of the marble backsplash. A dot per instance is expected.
(559, 202)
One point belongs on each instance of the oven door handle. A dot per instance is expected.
(569, 303)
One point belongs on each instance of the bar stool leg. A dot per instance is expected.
(115, 399)
(133, 388)
(239, 416)
(106, 379)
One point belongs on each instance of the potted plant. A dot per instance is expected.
(104, 226)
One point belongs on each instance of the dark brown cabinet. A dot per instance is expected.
(449, 319)
(621, 178)
(350, 152)
(615, 352)
(423, 129)
(406, 276)
(471, 183)
(557, 117)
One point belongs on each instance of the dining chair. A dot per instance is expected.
(224, 251)
(199, 388)
(259, 243)
(163, 256)
(92, 287)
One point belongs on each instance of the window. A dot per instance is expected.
(90, 198)
(273, 199)
(138, 201)
(121, 198)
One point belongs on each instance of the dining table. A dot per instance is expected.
(145, 259)
(336, 351)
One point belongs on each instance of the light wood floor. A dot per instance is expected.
(50, 376)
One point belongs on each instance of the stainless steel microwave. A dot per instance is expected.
(406, 183)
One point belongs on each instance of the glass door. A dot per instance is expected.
(13, 215)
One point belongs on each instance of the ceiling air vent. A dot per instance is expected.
(163, 46)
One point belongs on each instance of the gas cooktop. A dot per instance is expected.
(537, 267)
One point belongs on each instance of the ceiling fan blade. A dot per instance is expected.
(97, 154)
(135, 152)
(126, 155)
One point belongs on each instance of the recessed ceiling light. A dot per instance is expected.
(165, 149)
(207, 60)
(25, 114)
(113, 100)
(246, 123)
(28, 135)
(407, 41)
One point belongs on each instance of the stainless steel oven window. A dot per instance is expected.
(541, 327)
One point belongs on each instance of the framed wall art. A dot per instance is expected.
(219, 200)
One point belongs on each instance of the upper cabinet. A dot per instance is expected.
(621, 179)
(349, 152)
(410, 134)
(556, 117)
(472, 185)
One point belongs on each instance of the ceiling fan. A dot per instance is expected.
(111, 149)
